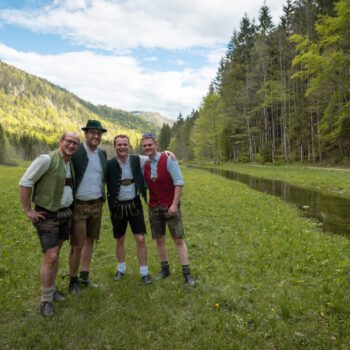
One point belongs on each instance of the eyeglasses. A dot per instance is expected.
(71, 142)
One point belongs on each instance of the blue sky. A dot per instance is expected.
(149, 55)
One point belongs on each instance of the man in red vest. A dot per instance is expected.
(164, 179)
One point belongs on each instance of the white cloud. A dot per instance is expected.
(117, 81)
(180, 62)
(151, 59)
(121, 25)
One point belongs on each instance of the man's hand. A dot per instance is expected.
(35, 216)
(171, 155)
(172, 210)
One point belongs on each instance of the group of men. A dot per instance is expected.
(67, 187)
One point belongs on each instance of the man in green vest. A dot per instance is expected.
(48, 182)
(125, 185)
(90, 166)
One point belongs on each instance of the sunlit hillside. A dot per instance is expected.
(35, 111)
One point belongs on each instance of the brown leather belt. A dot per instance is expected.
(93, 201)
(126, 182)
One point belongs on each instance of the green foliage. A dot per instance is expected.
(181, 143)
(164, 137)
(284, 89)
(208, 128)
(266, 279)
(325, 63)
(3, 146)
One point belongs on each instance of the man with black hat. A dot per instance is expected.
(90, 165)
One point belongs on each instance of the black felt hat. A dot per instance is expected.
(93, 124)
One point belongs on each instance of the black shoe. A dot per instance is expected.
(88, 283)
(189, 280)
(118, 276)
(147, 279)
(58, 296)
(74, 287)
(162, 274)
(46, 308)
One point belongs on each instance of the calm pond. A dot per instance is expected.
(330, 210)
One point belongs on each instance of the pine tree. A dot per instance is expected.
(164, 137)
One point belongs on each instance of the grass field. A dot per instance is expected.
(324, 179)
(266, 279)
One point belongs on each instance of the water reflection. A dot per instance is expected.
(331, 210)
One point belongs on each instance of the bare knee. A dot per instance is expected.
(51, 256)
(160, 240)
(179, 242)
(140, 240)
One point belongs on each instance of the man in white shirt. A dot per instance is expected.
(90, 165)
(49, 181)
(125, 185)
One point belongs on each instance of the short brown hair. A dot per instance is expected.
(122, 137)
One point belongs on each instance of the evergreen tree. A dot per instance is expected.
(164, 137)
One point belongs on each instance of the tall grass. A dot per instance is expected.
(266, 279)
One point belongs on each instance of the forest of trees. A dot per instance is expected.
(281, 93)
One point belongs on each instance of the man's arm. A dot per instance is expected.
(173, 208)
(37, 169)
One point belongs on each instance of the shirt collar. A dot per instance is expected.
(88, 150)
(121, 162)
(156, 158)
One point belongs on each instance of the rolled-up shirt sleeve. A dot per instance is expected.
(35, 171)
(175, 172)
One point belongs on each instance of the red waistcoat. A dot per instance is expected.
(161, 189)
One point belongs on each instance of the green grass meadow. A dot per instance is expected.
(266, 279)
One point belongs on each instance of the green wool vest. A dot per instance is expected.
(48, 190)
(114, 174)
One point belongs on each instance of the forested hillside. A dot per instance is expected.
(34, 112)
(281, 93)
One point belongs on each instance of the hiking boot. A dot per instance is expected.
(118, 276)
(162, 274)
(88, 283)
(46, 308)
(189, 280)
(58, 296)
(147, 279)
(74, 287)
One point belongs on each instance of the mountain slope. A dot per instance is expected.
(36, 110)
(154, 117)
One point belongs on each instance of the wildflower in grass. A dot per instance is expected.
(217, 306)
